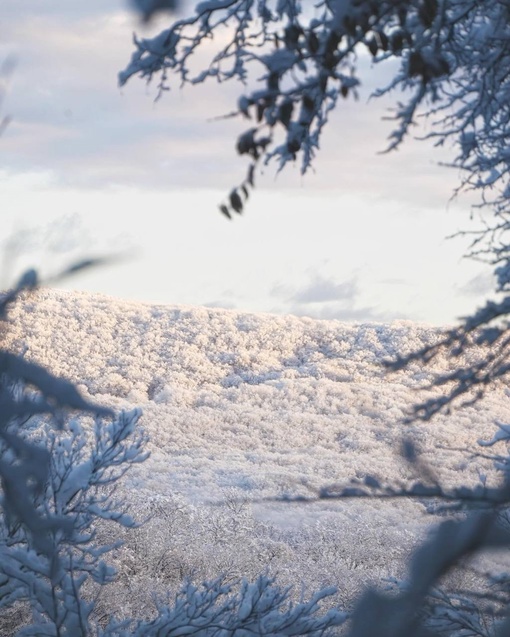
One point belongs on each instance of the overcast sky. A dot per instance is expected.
(362, 237)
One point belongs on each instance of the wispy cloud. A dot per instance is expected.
(221, 304)
(340, 312)
(327, 298)
(395, 281)
(70, 117)
(323, 290)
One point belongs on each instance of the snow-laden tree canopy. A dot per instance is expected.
(297, 60)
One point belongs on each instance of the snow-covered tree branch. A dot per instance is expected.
(77, 491)
(296, 61)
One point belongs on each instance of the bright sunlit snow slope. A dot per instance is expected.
(269, 404)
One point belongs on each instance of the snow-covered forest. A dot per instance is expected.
(270, 405)
(246, 414)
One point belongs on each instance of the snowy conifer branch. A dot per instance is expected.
(404, 616)
(25, 466)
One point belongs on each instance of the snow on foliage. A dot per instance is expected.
(258, 608)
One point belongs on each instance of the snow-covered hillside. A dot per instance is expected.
(271, 404)
(246, 409)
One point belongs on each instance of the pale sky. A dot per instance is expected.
(111, 171)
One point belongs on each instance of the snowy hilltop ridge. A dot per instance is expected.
(268, 403)
(118, 347)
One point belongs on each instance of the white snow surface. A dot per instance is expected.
(268, 405)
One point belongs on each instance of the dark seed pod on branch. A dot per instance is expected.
(313, 42)
(246, 142)
(285, 112)
(372, 46)
(308, 103)
(236, 202)
(225, 211)
(397, 41)
(416, 64)
(291, 37)
(273, 81)
(383, 40)
(427, 12)
(293, 145)
(251, 175)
